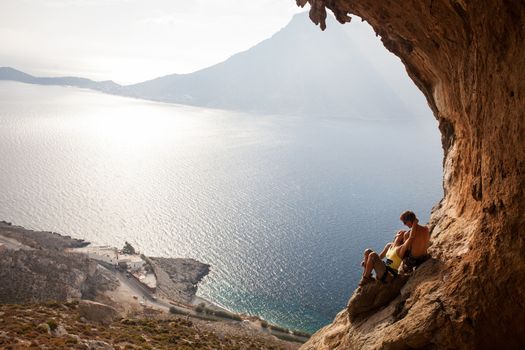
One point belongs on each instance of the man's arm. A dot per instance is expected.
(401, 251)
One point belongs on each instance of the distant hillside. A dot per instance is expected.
(7, 73)
(299, 70)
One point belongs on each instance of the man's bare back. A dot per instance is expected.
(420, 237)
(419, 244)
(420, 234)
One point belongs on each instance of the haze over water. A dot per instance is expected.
(281, 207)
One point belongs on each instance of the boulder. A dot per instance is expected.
(59, 331)
(44, 328)
(97, 312)
(374, 295)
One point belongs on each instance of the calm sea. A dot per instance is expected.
(281, 207)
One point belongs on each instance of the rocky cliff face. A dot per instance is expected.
(177, 278)
(42, 275)
(468, 58)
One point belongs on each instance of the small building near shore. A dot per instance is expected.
(130, 262)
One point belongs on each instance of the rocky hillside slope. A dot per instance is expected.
(39, 269)
(467, 57)
(57, 326)
(176, 276)
(36, 275)
(45, 282)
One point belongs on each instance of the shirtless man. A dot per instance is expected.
(416, 253)
(409, 246)
(386, 264)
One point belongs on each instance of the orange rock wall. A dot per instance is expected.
(468, 58)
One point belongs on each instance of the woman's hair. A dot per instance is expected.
(408, 216)
(401, 239)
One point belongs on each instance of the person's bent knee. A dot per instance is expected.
(373, 256)
(368, 251)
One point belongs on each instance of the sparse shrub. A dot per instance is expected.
(229, 315)
(200, 308)
(279, 329)
(52, 324)
(174, 339)
(53, 305)
(43, 328)
(129, 322)
(120, 339)
(138, 338)
(176, 311)
(128, 249)
(71, 340)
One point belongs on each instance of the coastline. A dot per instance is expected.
(189, 272)
(118, 279)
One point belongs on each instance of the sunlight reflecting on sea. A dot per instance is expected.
(281, 207)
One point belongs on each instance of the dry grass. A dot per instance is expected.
(22, 326)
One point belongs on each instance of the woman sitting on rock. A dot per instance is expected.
(393, 254)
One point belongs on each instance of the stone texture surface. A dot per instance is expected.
(40, 239)
(41, 275)
(177, 278)
(468, 58)
(44, 275)
(97, 312)
(373, 296)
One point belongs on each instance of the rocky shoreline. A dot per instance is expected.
(40, 239)
(42, 267)
(178, 278)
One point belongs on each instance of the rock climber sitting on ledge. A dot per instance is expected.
(416, 254)
(405, 244)
(386, 270)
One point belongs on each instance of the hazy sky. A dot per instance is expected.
(132, 40)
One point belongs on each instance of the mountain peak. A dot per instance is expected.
(300, 70)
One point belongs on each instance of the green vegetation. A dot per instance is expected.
(52, 324)
(148, 265)
(128, 249)
(225, 314)
(200, 308)
(177, 311)
(279, 329)
(43, 328)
